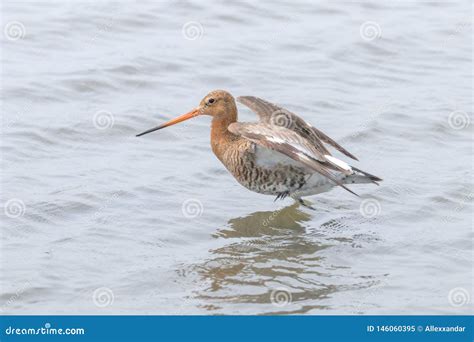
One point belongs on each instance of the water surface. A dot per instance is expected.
(96, 221)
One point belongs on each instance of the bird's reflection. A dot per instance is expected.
(262, 223)
(264, 251)
(280, 262)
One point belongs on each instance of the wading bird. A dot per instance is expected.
(281, 155)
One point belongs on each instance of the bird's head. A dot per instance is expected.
(218, 104)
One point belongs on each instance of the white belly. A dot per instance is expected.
(315, 184)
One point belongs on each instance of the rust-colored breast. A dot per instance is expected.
(239, 157)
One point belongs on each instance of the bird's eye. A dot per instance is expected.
(211, 100)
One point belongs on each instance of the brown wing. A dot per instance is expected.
(289, 143)
(272, 114)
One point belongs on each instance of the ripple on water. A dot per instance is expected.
(105, 209)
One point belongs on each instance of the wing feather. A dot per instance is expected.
(288, 143)
(273, 114)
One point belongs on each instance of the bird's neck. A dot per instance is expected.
(221, 138)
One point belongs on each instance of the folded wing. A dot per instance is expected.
(293, 145)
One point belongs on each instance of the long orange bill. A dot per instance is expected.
(174, 121)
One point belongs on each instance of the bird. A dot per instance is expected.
(280, 155)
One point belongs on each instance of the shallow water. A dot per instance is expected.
(96, 221)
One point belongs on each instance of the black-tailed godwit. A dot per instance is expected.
(281, 155)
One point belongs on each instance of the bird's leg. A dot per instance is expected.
(305, 204)
(282, 195)
(298, 199)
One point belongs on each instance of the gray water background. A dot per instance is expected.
(96, 221)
